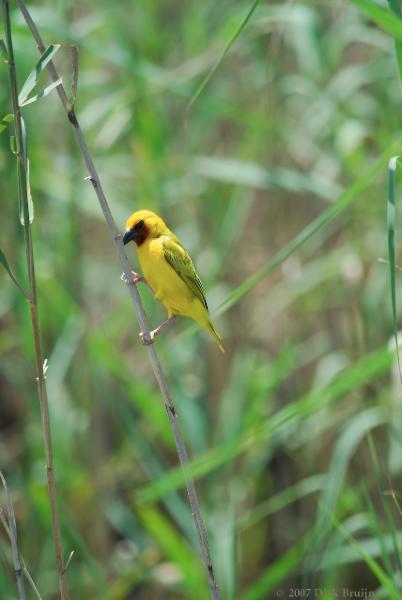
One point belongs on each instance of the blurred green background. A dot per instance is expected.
(295, 431)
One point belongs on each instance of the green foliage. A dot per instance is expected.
(6, 266)
(275, 181)
(33, 77)
(5, 122)
(226, 49)
(391, 218)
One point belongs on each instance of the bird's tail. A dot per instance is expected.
(216, 335)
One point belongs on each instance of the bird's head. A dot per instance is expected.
(142, 225)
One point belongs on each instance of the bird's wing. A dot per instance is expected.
(179, 260)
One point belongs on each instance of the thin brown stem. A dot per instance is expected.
(156, 366)
(33, 303)
(12, 534)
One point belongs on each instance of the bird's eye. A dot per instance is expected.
(138, 226)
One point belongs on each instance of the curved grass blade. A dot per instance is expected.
(365, 370)
(4, 262)
(5, 121)
(13, 145)
(277, 572)
(42, 93)
(321, 221)
(26, 203)
(388, 513)
(33, 77)
(391, 217)
(253, 175)
(370, 562)
(3, 50)
(310, 485)
(175, 549)
(226, 49)
(395, 7)
(345, 448)
(382, 17)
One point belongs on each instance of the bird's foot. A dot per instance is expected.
(148, 337)
(134, 279)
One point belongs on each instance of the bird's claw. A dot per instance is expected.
(133, 280)
(147, 337)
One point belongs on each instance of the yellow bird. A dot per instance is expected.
(169, 271)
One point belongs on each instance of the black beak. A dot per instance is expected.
(129, 235)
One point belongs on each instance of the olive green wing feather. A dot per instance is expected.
(180, 261)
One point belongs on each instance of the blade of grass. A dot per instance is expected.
(175, 549)
(324, 219)
(251, 174)
(143, 397)
(277, 572)
(6, 121)
(370, 562)
(387, 511)
(3, 50)
(4, 262)
(33, 77)
(395, 7)
(226, 49)
(26, 203)
(391, 218)
(312, 484)
(367, 368)
(377, 529)
(345, 448)
(381, 17)
(43, 93)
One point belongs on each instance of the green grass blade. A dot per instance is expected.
(5, 263)
(382, 17)
(3, 50)
(295, 492)
(226, 49)
(43, 93)
(176, 549)
(321, 221)
(391, 217)
(375, 523)
(345, 449)
(370, 562)
(5, 122)
(252, 174)
(359, 374)
(384, 502)
(33, 77)
(26, 208)
(395, 7)
(276, 573)
(13, 146)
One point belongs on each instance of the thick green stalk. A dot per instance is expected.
(42, 391)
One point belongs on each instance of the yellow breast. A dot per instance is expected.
(169, 288)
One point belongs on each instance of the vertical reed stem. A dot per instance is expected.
(33, 303)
